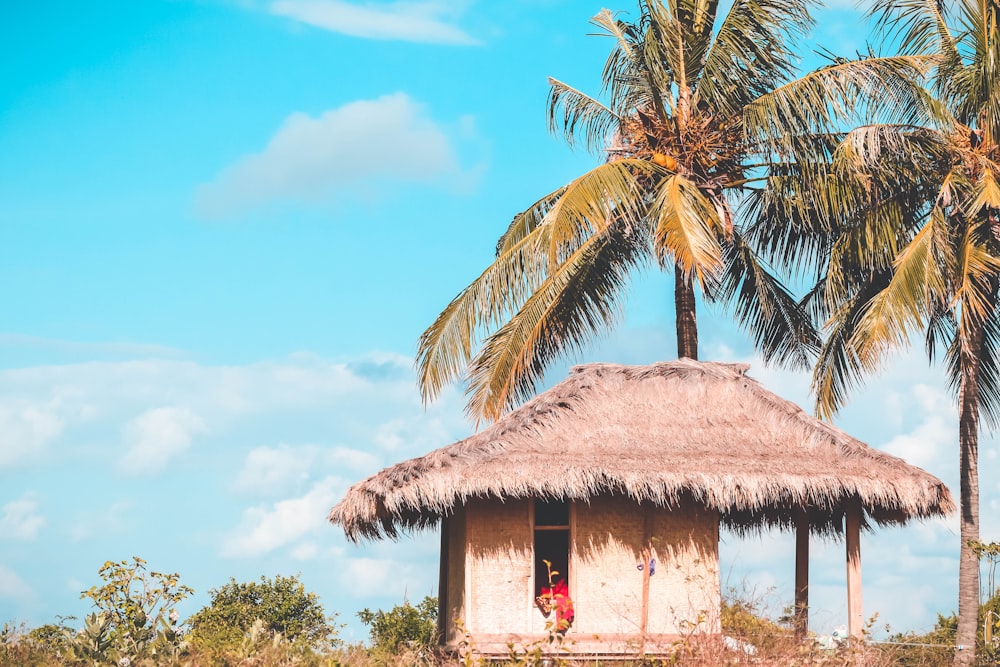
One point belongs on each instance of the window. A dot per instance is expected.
(551, 542)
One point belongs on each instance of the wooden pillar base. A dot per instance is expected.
(852, 530)
(801, 575)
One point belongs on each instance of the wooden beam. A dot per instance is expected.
(801, 574)
(852, 528)
(647, 553)
(442, 620)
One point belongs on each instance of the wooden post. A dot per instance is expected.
(442, 620)
(852, 528)
(647, 553)
(801, 574)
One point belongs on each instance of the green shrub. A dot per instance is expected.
(136, 615)
(403, 626)
(279, 607)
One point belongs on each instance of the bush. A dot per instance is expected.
(136, 617)
(402, 626)
(279, 606)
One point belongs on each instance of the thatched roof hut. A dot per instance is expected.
(680, 436)
(654, 433)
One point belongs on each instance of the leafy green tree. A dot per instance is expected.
(136, 609)
(53, 638)
(282, 604)
(697, 114)
(402, 626)
(921, 252)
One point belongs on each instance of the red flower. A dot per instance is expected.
(561, 602)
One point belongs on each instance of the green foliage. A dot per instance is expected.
(936, 646)
(136, 613)
(744, 620)
(94, 643)
(279, 607)
(54, 638)
(402, 626)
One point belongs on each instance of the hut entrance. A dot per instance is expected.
(551, 542)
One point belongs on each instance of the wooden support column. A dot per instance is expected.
(647, 552)
(852, 530)
(801, 574)
(442, 620)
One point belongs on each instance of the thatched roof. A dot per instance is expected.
(662, 434)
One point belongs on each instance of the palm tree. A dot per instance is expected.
(923, 252)
(699, 115)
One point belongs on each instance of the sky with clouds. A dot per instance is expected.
(223, 226)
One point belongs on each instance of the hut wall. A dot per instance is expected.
(606, 584)
(499, 568)
(491, 588)
(454, 573)
(684, 594)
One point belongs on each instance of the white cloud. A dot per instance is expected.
(369, 577)
(25, 432)
(95, 404)
(272, 470)
(20, 519)
(389, 570)
(158, 435)
(354, 148)
(415, 433)
(265, 529)
(931, 443)
(13, 587)
(327, 411)
(305, 551)
(363, 462)
(102, 523)
(419, 21)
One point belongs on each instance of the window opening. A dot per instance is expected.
(551, 542)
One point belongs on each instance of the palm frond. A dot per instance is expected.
(989, 371)
(686, 227)
(446, 347)
(579, 300)
(985, 364)
(525, 222)
(573, 112)
(588, 204)
(974, 92)
(902, 308)
(782, 329)
(837, 369)
(677, 38)
(919, 27)
(987, 193)
(626, 79)
(864, 90)
(887, 148)
(941, 329)
(751, 52)
(665, 54)
(974, 291)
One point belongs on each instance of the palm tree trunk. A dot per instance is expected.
(686, 315)
(968, 438)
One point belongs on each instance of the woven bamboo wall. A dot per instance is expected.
(499, 567)
(490, 574)
(455, 596)
(685, 591)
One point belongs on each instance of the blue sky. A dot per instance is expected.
(223, 226)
